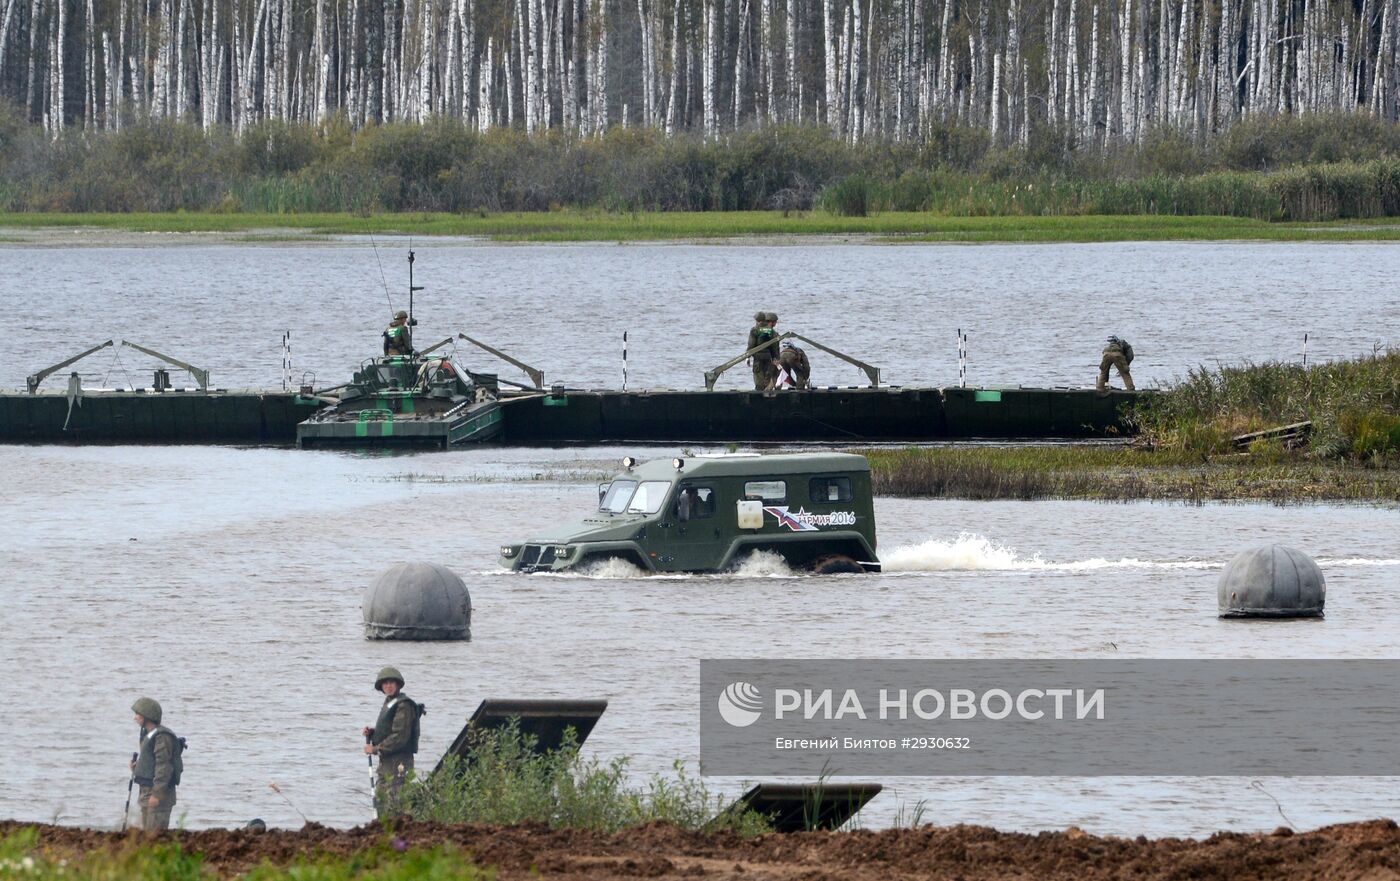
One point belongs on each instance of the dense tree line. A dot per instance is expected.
(1101, 71)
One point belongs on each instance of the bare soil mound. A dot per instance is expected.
(1368, 851)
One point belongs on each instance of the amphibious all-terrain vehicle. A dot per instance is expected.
(418, 400)
(704, 513)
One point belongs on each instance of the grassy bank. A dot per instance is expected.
(1122, 473)
(579, 226)
(663, 853)
(1187, 449)
(384, 859)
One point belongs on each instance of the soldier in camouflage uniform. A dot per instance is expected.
(1118, 353)
(157, 767)
(394, 738)
(794, 360)
(398, 338)
(765, 369)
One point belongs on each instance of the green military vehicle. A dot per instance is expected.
(405, 400)
(705, 513)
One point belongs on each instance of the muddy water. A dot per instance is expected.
(227, 583)
(687, 308)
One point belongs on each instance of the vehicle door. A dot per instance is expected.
(691, 528)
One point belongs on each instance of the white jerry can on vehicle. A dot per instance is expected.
(750, 514)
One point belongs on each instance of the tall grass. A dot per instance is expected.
(508, 782)
(1123, 473)
(1354, 406)
(1286, 168)
(1335, 191)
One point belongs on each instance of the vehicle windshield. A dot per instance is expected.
(649, 498)
(615, 499)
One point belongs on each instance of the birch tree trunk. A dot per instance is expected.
(57, 105)
(673, 93)
(829, 96)
(709, 86)
(790, 90)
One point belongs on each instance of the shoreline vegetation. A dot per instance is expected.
(1186, 448)
(1286, 178)
(416, 850)
(570, 225)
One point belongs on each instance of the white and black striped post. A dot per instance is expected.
(1305, 350)
(624, 360)
(962, 359)
(286, 361)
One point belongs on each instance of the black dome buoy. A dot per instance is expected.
(417, 601)
(1272, 581)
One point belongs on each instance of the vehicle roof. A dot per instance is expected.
(774, 465)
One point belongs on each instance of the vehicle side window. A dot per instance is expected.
(695, 503)
(831, 489)
(768, 490)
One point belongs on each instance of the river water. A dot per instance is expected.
(227, 581)
(1033, 314)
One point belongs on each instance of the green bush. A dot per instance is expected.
(508, 782)
(854, 196)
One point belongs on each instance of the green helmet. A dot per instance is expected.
(760, 316)
(385, 675)
(147, 709)
(770, 316)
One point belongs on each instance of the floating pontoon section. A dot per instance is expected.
(542, 721)
(804, 807)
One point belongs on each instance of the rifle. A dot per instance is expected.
(126, 814)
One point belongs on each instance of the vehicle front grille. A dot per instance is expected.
(536, 557)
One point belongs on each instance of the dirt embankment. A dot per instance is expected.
(1367, 851)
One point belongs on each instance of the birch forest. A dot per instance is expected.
(1102, 71)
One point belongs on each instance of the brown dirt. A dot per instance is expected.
(1367, 851)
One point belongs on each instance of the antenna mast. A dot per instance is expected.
(411, 288)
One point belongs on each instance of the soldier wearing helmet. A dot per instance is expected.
(394, 739)
(763, 334)
(157, 766)
(398, 337)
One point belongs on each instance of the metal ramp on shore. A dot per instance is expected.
(543, 723)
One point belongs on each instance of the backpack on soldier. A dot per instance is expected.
(1123, 346)
(177, 752)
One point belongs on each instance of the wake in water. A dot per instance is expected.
(758, 564)
(611, 567)
(970, 552)
(761, 564)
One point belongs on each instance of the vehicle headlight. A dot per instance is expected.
(562, 550)
(507, 551)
